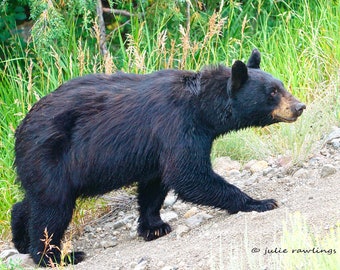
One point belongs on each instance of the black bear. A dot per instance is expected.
(98, 133)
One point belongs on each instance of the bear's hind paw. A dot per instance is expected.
(74, 257)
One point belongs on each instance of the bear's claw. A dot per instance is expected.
(260, 205)
(154, 232)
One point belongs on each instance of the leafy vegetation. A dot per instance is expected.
(299, 41)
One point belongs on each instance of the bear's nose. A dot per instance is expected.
(299, 108)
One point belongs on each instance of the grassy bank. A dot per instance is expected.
(300, 44)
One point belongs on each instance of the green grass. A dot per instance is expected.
(326, 247)
(298, 246)
(299, 44)
(10, 266)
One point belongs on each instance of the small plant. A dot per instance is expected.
(317, 252)
(48, 249)
(10, 265)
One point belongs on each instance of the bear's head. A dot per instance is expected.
(259, 99)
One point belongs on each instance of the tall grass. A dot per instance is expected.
(296, 246)
(300, 44)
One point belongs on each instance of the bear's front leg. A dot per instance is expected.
(151, 196)
(193, 179)
(212, 190)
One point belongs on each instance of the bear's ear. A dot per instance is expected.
(254, 60)
(239, 75)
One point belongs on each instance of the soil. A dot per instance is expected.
(205, 238)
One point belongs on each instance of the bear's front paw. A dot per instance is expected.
(154, 231)
(260, 205)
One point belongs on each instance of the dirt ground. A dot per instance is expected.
(236, 241)
(222, 241)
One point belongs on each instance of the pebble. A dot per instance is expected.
(197, 219)
(88, 229)
(251, 180)
(284, 161)
(7, 253)
(170, 200)
(169, 268)
(336, 143)
(192, 211)
(327, 170)
(108, 243)
(233, 173)
(142, 264)
(258, 166)
(23, 260)
(268, 171)
(333, 136)
(120, 223)
(169, 216)
(223, 165)
(301, 173)
(181, 230)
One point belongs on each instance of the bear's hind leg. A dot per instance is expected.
(19, 225)
(48, 223)
(150, 198)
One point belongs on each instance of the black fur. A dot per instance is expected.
(101, 132)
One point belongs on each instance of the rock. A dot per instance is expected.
(314, 161)
(169, 216)
(336, 143)
(142, 264)
(181, 230)
(7, 253)
(192, 211)
(222, 165)
(88, 229)
(284, 161)
(301, 173)
(284, 201)
(251, 180)
(335, 134)
(197, 219)
(24, 260)
(327, 170)
(133, 234)
(108, 243)
(170, 200)
(122, 222)
(160, 265)
(108, 226)
(233, 173)
(91, 235)
(258, 166)
(268, 171)
(169, 268)
(249, 164)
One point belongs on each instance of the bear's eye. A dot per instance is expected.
(274, 92)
